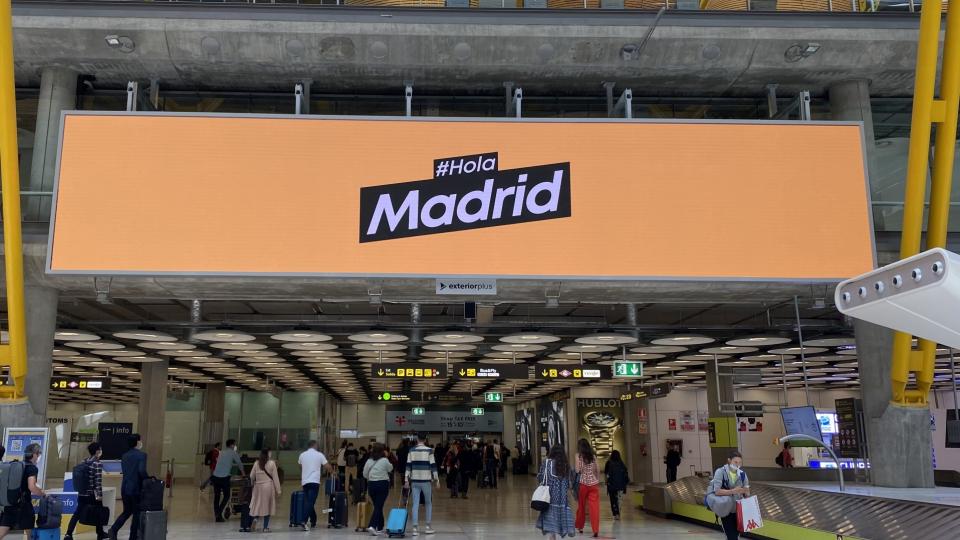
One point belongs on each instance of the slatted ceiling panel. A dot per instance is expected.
(726, 5)
(649, 4)
(805, 5)
(395, 3)
(573, 4)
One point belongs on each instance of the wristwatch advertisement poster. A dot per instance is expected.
(601, 422)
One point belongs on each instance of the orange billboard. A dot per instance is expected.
(225, 195)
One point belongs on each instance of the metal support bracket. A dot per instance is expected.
(772, 100)
(133, 90)
(155, 94)
(508, 98)
(301, 101)
(624, 104)
(408, 96)
(804, 101)
(608, 88)
(518, 102)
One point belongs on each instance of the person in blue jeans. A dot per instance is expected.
(133, 463)
(377, 470)
(312, 464)
(421, 474)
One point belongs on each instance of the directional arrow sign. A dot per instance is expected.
(408, 371)
(418, 411)
(477, 411)
(577, 373)
(493, 397)
(475, 371)
(627, 369)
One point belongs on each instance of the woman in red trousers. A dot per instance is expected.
(589, 496)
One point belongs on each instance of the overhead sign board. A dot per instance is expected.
(626, 369)
(418, 411)
(555, 188)
(80, 383)
(477, 411)
(491, 371)
(411, 370)
(448, 397)
(466, 286)
(586, 372)
(396, 396)
(658, 390)
(436, 421)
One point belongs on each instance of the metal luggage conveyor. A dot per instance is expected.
(792, 513)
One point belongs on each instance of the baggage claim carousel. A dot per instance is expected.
(803, 514)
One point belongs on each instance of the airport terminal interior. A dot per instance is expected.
(659, 227)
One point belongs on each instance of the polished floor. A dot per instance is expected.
(488, 514)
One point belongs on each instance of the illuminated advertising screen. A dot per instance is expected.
(166, 193)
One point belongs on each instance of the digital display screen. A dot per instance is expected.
(801, 421)
(828, 423)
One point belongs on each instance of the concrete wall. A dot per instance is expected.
(944, 458)
(366, 418)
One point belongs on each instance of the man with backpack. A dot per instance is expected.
(785, 459)
(88, 483)
(16, 487)
(133, 464)
(729, 485)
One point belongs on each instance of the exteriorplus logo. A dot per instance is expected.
(468, 192)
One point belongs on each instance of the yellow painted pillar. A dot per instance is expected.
(13, 354)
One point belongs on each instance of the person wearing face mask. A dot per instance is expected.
(729, 485)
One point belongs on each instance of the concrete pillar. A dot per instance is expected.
(58, 92)
(638, 423)
(153, 412)
(720, 390)
(898, 438)
(850, 100)
(214, 406)
(41, 313)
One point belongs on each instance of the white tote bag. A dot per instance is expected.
(540, 501)
(748, 514)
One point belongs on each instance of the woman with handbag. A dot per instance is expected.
(556, 518)
(588, 473)
(266, 489)
(729, 485)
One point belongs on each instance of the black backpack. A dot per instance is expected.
(779, 459)
(81, 478)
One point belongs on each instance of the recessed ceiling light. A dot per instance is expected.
(530, 338)
(758, 341)
(378, 337)
(223, 336)
(74, 335)
(683, 339)
(144, 335)
(301, 336)
(607, 339)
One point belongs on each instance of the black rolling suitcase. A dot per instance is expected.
(338, 511)
(153, 525)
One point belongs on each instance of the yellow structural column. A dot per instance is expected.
(13, 354)
(928, 111)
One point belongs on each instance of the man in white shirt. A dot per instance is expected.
(312, 464)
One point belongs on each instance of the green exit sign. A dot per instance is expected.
(418, 411)
(493, 397)
(477, 411)
(627, 369)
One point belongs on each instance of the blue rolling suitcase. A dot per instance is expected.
(397, 520)
(298, 514)
(45, 534)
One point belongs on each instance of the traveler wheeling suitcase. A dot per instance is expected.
(363, 516)
(153, 525)
(397, 519)
(338, 511)
(45, 534)
(49, 513)
(298, 514)
(246, 522)
(151, 494)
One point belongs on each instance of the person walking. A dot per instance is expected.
(266, 489)
(91, 494)
(351, 457)
(589, 496)
(221, 480)
(312, 464)
(20, 516)
(452, 465)
(785, 458)
(617, 481)
(465, 459)
(557, 520)
(403, 450)
(210, 460)
(133, 465)
(491, 464)
(342, 460)
(729, 485)
(420, 476)
(378, 471)
(672, 460)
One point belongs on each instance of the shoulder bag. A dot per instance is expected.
(541, 496)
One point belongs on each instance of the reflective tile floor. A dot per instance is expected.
(488, 514)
